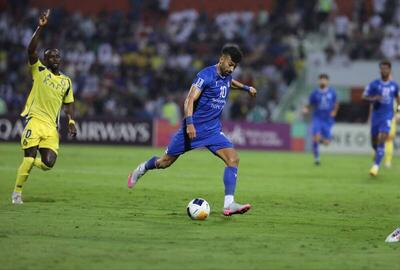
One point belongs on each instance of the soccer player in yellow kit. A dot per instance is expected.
(50, 91)
(390, 139)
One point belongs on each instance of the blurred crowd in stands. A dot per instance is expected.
(141, 63)
(372, 31)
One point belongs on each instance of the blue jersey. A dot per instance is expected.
(323, 102)
(214, 94)
(383, 109)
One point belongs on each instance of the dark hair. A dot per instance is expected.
(385, 63)
(324, 76)
(233, 51)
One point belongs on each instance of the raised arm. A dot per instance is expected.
(240, 86)
(193, 95)
(43, 19)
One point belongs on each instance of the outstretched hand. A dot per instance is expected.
(44, 18)
(252, 91)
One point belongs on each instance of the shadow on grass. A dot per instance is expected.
(39, 199)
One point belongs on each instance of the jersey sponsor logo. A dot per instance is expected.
(52, 84)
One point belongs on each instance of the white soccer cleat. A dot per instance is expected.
(388, 165)
(394, 236)
(374, 170)
(16, 198)
(136, 174)
(236, 208)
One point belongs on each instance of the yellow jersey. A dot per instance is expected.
(48, 93)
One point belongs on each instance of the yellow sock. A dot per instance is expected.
(39, 163)
(388, 151)
(23, 173)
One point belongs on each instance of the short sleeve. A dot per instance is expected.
(36, 68)
(369, 90)
(69, 95)
(396, 90)
(201, 80)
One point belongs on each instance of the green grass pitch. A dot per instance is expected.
(81, 215)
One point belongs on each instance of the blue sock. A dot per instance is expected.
(230, 176)
(151, 163)
(315, 146)
(380, 152)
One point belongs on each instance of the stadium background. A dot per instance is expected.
(132, 63)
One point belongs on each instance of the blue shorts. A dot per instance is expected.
(323, 128)
(181, 143)
(380, 126)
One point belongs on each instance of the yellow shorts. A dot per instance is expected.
(392, 132)
(40, 133)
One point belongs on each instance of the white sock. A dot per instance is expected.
(228, 200)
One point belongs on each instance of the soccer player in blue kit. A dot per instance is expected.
(201, 126)
(322, 101)
(381, 93)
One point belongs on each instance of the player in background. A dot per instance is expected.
(201, 126)
(389, 144)
(324, 106)
(51, 89)
(381, 93)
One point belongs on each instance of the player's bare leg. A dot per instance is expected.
(379, 153)
(231, 159)
(47, 159)
(23, 174)
(154, 163)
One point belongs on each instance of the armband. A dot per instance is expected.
(246, 88)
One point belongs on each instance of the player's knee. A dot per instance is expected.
(48, 162)
(233, 161)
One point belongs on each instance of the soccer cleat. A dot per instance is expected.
(388, 165)
(394, 236)
(16, 198)
(317, 161)
(236, 208)
(136, 174)
(374, 170)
